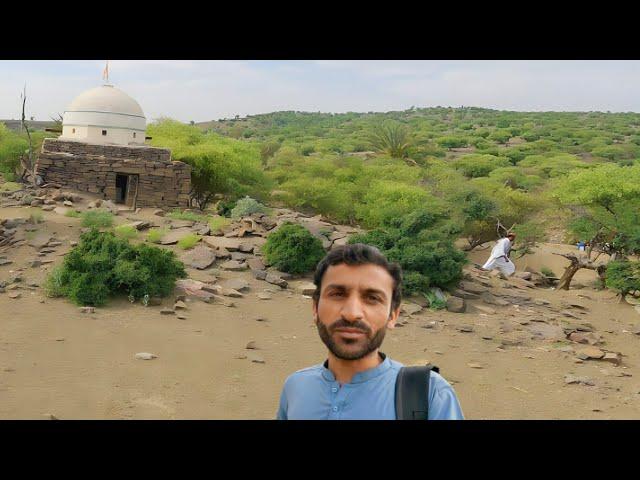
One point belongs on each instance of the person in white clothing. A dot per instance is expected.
(500, 256)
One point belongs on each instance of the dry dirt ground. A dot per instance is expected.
(55, 360)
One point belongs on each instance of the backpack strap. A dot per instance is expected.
(412, 392)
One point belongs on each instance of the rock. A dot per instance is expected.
(487, 337)
(590, 353)
(229, 292)
(199, 257)
(181, 224)
(159, 212)
(174, 236)
(4, 261)
(569, 314)
(410, 308)
(36, 203)
(472, 287)
(181, 317)
(255, 358)
(456, 304)
(636, 329)
(566, 349)
(14, 295)
(484, 309)
(239, 256)
(87, 310)
(154, 301)
(264, 296)
(462, 294)
(234, 266)
(50, 416)
(276, 280)
(180, 305)
(260, 274)
(571, 379)
(612, 357)
(145, 356)
(167, 311)
(438, 294)
(255, 264)
(67, 203)
(236, 284)
(491, 299)
(523, 275)
(230, 244)
(582, 337)
(40, 240)
(251, 345)
(245, 248)
(475, 365)
(139, 225)
(465, 328)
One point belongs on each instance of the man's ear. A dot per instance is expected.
(315, 310)
(393, 318)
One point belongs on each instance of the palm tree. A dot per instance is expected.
(390, 137)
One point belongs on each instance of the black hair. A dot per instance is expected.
(359, 254)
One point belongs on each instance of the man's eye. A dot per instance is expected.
(373, 298)
(336, 294)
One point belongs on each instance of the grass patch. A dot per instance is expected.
(10, 187)
(189, 241)
(126, 232)
(30, 235)
(53, 286)
(191, 216)
(36, 218)
(73, 214)
(156, 234)
(547, 272)
(97, 219)
(218, 222)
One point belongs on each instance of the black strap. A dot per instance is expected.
(412, 392)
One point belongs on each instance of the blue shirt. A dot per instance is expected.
(314, 394)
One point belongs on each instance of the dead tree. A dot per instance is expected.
(28, 165)
(576, 264)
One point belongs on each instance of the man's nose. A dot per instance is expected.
(352, 309)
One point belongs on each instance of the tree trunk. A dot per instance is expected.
(567, 276)
(576, 264)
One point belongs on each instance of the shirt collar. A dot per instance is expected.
(361, 376)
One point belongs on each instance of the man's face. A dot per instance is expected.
(354, 309)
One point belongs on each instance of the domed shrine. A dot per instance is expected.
(102, 151)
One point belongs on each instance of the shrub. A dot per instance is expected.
(547, 272)
(188, 241)
(390, 137)
(10, 186)
(97, 219)
(623, 276)
(224, 207)
(103, 265)
(218, 223)
(191, 216)
(293, 249)
(73, 213)
(246, 206)
(53, 286)
(126, 232)
(156, 234)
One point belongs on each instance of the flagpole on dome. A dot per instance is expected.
(105, 74)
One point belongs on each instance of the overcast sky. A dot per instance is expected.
(209, 90)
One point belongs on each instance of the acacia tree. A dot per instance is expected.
(605, 203)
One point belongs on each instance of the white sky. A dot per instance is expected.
(202, 90)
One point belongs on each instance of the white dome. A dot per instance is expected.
(104, 115)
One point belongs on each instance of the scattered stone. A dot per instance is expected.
(475, 365)
(234, 266)
(145, 356)
(472, 287)
(251, 345)
(566, 349)
(612, 357)
(40, 240)
(159, 212)
(491, 299)
(308, 288)
(230, 244)
(264, 296)
(180, 305)
(456, 305)
(255, 264)
(67, 203)
(229, 292)
(167, 311)
(14, 295)
(590, 353)
(5, 261)
(463, 294)
(487, 310)
(48, 208)
(181, 317)
(199, 257)
(573, 379)
(87, 310)
(276, 280)
(236, 284)
(465, 328)
(256, 358)
(523, 275)
(260, 274)
(582, 337)
(487, 337)
(60, 339)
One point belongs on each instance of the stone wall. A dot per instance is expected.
(93, 168)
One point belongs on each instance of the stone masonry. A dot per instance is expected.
(93, 168)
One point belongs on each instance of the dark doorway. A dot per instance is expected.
(121, 188)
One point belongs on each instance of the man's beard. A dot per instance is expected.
(369, 343)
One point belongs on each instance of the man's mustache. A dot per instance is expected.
(343, 323)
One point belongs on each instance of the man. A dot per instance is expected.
(357, 297)
(500, 256)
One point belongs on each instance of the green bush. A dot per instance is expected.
(126, 232)
(73, 214)
(246, 206)
(623, 276)
(188, 241)
(191, 216)
(224, 207)
(547, 272)
(103, 265)
(293, 249)
(97, 219)
(218, 223)
(156, 234)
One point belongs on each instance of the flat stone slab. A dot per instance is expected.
(177, 224)
(200, 257)
(236, 284)
(230, 244)
(234, 266)
(174, 236)
(40, 240)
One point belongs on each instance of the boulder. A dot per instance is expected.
(260, 274)
(612, 357)
(234, 266)
(409, 308)
(456, 304)
(199, 257)
(255, 264)
(589, 353)
(276, 280)
(174, 236)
